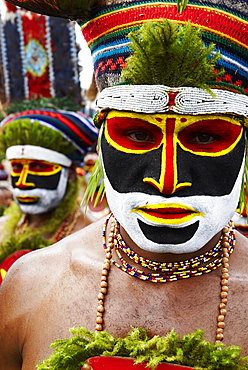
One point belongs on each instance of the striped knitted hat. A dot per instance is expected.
(68, 133)
(106, 26)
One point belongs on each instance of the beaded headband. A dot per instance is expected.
(181, 100)
(37, 153)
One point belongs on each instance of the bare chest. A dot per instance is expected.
(184, 306)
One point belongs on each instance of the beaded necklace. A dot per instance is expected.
(179, 270)
(171, 271)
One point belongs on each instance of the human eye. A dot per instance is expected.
(39, 167)
(140, 136)
(210, 136)
(132, 134)
(203, 138)
(16, 167)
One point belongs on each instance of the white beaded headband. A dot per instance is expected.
(37, 153)
(163, 99)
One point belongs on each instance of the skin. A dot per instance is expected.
(6, 197)
(59, 290)
(68, 278)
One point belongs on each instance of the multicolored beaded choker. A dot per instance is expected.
(167, 271)
(219, 255)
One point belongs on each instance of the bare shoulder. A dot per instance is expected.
(40, 282)
(35, 274)
(49, 262)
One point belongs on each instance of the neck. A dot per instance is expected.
(38, 220)
(167, 257)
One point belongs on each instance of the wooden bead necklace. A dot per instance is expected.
(115, 242)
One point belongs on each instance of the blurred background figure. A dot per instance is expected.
(6, 196)
(44, 148)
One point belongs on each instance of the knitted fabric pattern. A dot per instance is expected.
(223, 23)
(105, 26)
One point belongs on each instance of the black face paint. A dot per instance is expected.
(42, 182)
(214, 176)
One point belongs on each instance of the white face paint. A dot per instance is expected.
(48, 199)
(211, 212)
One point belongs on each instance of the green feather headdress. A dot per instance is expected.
(24, 132)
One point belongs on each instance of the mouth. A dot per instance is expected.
(27, 199)
(169, 213)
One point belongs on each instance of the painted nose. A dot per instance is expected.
(168, 182)
(22, 182)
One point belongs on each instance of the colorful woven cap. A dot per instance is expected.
(223, 22)
(76, 129)
(106, 26)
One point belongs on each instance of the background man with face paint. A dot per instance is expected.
(44, 148)
(172, 152)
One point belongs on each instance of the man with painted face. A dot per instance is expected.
(44, 148)
(172, 153)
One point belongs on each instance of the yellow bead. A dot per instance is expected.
(219, 336)
(224, 288)
(225, 245)
(100, 296)
(86, 367)
(103, 284)
(224, 282)
(106, 265)
(219, 330)
(224, 270)
(222, 305)
(221, 324)
(100, 308)
(99, 320)
(223, 294)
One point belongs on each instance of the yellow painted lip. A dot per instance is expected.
(169, 213)
(27, 199)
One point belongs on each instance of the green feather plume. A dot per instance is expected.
(167, 54)
(181, 5)
(95, 187)
(25, 132)
(190, 350)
